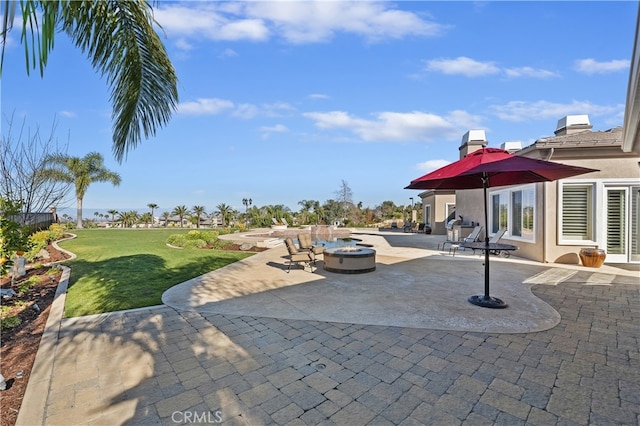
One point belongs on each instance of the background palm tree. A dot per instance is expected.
(113, 213)
(165, 217)
(198, 211)
(80, 171)
(128, 218)
(225, 212)
(146, 218)
(181, 212)
(152, 206)
(120, 40)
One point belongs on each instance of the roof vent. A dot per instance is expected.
(512, 146)
(473, 140)
(573, 124)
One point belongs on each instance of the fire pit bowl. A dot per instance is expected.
(350, 260)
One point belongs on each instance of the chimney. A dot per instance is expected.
(473, 140)
(573, 124)
(511, 147)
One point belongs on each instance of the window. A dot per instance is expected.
(427, 214)
(514, 210)
(576, 217)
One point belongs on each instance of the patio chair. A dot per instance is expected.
(305, 243)
(471, 238)
(297, 256)
(495, 239)
(284, 221)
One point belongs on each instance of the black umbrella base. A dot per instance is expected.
(487, 302)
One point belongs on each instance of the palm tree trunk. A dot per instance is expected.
(79, 214)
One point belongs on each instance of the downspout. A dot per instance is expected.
(544, 209)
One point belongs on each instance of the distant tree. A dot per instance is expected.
(387, 209)
(152, 206)
(332, 211)
(121, 41)
(128, 218)
(79, 171)
(181, 212)
(166, 216)
(306, 214)
(113, 213)
(146, 218)
(344, 197)
(198, 211)
(225, 212)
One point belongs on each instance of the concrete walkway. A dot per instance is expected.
(251, 344)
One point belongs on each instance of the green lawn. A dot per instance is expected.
(120, 269)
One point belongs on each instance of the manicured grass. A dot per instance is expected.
(120, 269)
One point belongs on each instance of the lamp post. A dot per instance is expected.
(411, 198)
(247, 203)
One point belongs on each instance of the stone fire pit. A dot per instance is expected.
(350, 260)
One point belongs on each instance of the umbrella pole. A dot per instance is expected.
(486, 301)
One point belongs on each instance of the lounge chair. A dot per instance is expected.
(297, 256)
(471, 238)
(284, 221)
(305, 243)
(495, 239)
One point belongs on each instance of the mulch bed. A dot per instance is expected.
(19, 344)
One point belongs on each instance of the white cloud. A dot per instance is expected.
(68, 114)
(469, 67)
(204, 106)
(228, 53)
(295, 22)
(591, 66)
(545, 110)
(462, 65)
(215, 106)
(266, 131)
(208, 20)
(183, 45)
(396, 126)
(318, 96)
(431, 165)
(246, 111)
(529, 72)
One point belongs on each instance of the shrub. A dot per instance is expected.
(178, 240)
(56, 232)
(11, 322)
(194, 239)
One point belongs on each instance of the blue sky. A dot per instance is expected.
(280, 102)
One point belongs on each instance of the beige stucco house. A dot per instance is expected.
(552, 221)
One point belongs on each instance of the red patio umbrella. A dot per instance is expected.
(491, 167)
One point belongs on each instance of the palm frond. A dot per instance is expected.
(120, 39)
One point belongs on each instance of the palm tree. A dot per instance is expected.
(146, 218)
(113, 213)
(120, 40)
(181, 212)
(128, 218)
(166, 216)
(225, 211)
(198, 211)
(80, 171)
(152, 206)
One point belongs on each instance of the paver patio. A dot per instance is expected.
(163, 365)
